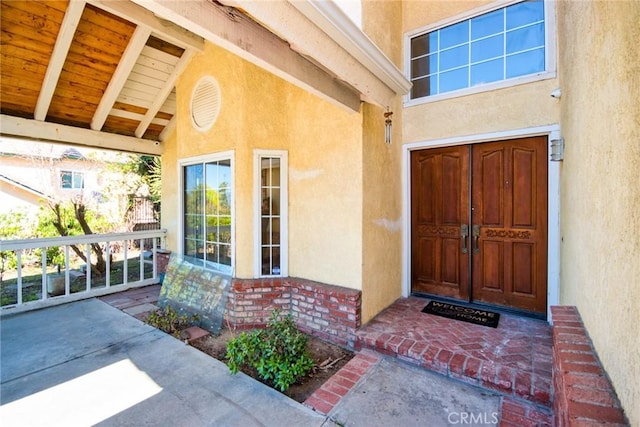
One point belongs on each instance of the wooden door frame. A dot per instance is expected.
(553, 195)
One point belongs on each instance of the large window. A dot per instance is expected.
(207, 213)
(499, 45)
(71, 180)
(271, 208)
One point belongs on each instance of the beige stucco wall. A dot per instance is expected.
(600, 187)
(382, 23)
(516, 107)
(418, 13)
(170, 206)
(382, 215)
(382, 189)
(325, 193)
(324, 144)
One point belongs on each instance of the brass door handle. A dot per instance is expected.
(464, 232)
(476, 236)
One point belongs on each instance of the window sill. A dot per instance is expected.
(480, 89)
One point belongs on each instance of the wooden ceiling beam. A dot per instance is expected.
(119, 78)
(52, 132)
(168, 129)
(140, 16)
(236, 32)
(289, 22)
(164, 93)
(60, 50)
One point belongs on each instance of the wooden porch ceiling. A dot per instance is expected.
(108, 67)
(102, 73)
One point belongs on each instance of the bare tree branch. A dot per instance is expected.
(80, 215)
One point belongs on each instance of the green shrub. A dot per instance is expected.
(167, 320)
(278, 353)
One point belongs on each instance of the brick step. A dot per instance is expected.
(583, 393)
(335, 388)
(513, 413)
(507, 380)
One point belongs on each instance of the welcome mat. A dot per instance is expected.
(466, 314)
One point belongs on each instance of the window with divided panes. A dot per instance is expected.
(499, 45)
(207, 214)
(270, 215)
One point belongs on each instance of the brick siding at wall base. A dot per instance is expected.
(583, 394)
(329, 312)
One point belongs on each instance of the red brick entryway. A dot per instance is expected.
(514, 359)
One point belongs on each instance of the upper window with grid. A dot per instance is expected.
(499, 45)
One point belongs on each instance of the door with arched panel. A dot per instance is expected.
(479, 223)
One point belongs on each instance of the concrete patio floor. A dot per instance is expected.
(89, 363)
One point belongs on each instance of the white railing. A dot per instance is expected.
(125, 266)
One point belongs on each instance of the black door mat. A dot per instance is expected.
(466, 314)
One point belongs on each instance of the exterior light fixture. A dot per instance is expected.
(557, 149)
(387, 126)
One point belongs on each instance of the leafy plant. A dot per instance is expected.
(155, 180)
(168, 320)
(278, 353)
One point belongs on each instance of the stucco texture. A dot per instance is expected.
(170, 206)
(516, 107)
(382, 172)
(382, 216)
(324, 145)
(600, 215)
(419, 13)
(382, 23)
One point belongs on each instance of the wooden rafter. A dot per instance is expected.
(142, 17)
(60, 51)
(168, 129)
(161, 97)
(235, 31)
(104, 71)
(126, 64)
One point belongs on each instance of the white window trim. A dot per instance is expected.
(72, 188)
(553, 196)
(550, 52)
(284, 212)
(223, 155)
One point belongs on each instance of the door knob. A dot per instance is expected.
(476, 236)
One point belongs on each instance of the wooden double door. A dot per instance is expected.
(479, 223)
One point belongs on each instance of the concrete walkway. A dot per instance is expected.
(87, 363)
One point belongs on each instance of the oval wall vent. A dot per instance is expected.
(205, 103)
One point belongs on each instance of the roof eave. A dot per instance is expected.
(321, 31)
(337, 25)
